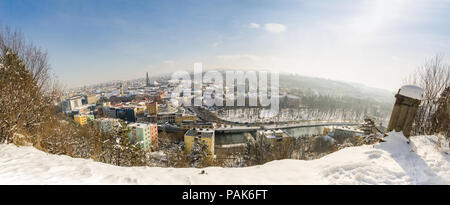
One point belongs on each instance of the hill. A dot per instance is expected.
(330, 87)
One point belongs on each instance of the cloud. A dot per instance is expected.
(274, 27)
(237, 57)
(253, 25)
(215, 44)
(269, 27)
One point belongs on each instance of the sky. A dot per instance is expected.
(374, 42)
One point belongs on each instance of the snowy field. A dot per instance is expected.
(391, 162)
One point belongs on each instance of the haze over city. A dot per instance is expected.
(375, 43)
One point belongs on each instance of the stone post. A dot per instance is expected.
(407, 103)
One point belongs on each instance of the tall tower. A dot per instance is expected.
(147, 82)
(121, 89)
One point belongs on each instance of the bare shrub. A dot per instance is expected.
(434, 78)
(440, 120)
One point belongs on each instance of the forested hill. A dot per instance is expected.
(327, 87)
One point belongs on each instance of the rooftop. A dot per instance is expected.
(202, 132)
(140, 125)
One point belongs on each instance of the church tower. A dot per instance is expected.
(121, 89)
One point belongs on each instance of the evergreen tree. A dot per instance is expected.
(22, 105)
(200, 155)
(118, 149)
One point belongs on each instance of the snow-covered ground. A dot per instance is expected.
(243, 115)
(391, 162)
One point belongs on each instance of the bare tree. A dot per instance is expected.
(441, 118)
(33, 57)
(433, 77)
(27, 89)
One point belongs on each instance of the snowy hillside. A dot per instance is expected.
(331, 87)
(391, 162)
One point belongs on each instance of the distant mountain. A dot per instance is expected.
(329, 87)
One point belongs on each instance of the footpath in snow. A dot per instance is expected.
(391, 162)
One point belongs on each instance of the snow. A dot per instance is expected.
(411, 91)
(243, 115)
(391, 162)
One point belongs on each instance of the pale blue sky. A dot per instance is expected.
(374, 42)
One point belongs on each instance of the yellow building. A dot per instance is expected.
(140, 109)
(83, 119)
(180, 119)
(152, 108)
(194, 135)
(80, 119)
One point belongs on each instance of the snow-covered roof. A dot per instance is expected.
(139, 125)
(411, 91)
(200, 132)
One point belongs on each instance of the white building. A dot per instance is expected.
(71, 103)
(107, 124)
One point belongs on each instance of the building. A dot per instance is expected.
(121, 90)
(152, 108)
(162, 118)
(140, 109)
(72, 103)
(109, 111)
(147, 81)
(189, 124)
(106, 124)
(192, 136)
(166, 118)
(343, 132)
(180, 119)
(80, 119)
(272, 135)
(154, 94)
(126, 114)
(85, 109)
(91, 99)
(165, 114)
(144, 134)
(106, 104)
(83, 119)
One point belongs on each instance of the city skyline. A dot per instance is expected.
(361, 42)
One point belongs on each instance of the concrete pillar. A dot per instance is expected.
(407, 103)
